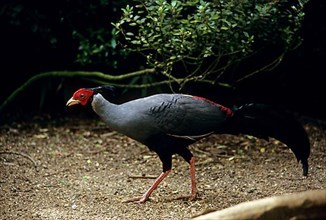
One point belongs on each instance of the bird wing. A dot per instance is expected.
(187, 116)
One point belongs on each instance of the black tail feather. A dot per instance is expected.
(264, 121)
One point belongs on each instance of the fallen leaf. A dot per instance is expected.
(40, 136)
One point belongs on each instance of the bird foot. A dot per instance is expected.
(139, 200)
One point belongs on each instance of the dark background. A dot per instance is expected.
(297, 83)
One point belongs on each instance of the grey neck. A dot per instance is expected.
(108, 111)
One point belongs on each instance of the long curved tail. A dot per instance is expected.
(264, 121)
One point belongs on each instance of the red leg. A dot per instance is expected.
(193, 179)
(194, 191)
(147, 194)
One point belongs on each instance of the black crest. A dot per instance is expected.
(107, 91)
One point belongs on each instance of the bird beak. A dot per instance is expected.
(72, 101)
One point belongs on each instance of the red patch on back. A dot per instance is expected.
(224, 109)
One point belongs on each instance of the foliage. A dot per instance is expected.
(190, 40)
(97, 41)
(184, 40)
(203, 39)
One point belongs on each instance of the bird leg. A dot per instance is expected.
(194, 191)
(147, 194)
(193, 179)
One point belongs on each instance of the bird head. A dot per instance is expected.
(81, 96)
(84, 95)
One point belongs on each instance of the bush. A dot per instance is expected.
(200, 40)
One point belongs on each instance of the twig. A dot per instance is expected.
(23, 155)
(224, 156)
(215, 155)
(55, 173)
(142, 176)
(267, 67)
(97, 151)
(196, 149)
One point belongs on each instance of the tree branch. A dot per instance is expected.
(303, 205)
(99, 78)
(70, 74)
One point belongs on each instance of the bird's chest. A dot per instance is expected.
(136, 126)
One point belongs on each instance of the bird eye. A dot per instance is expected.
(82, 96)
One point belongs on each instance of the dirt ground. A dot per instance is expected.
(79, 169)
